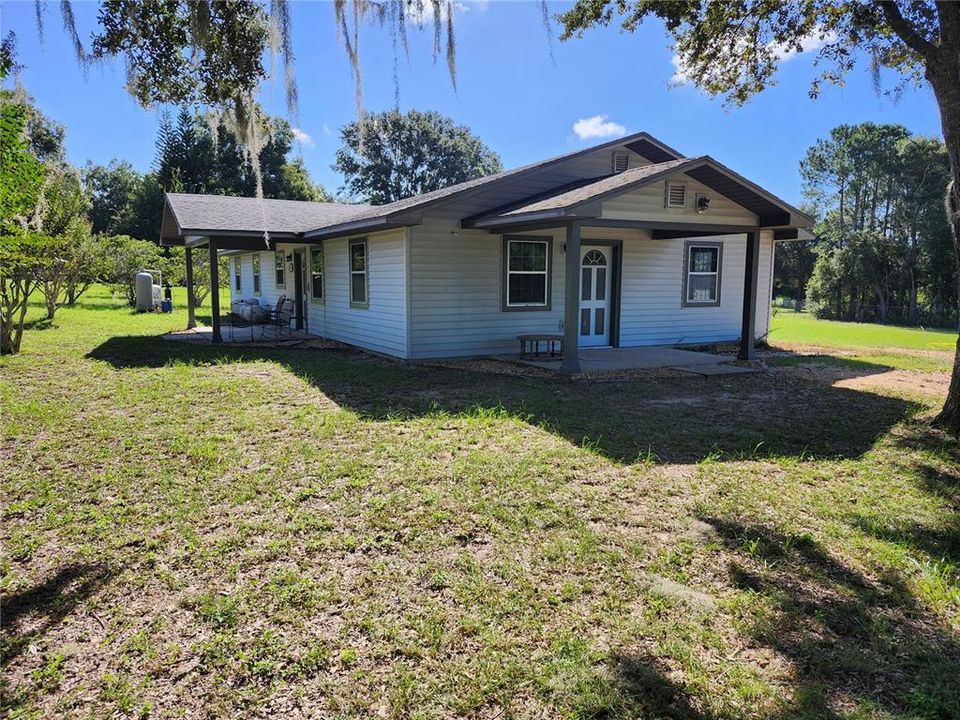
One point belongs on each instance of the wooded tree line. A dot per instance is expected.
(194, 156)
(64, 228)
(102, 223)
(883, 250)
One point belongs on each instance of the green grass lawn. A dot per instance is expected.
(805, 329)
(892, 346)
(192, 531)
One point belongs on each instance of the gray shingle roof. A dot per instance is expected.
(213, 214)
(602, 186)
(221, 213)
(416, 201)
(565, 201)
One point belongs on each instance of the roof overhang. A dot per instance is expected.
(376, 224)
(225, 241)
(771, 211)
(786, 234)
(173, 234)
(652, 149)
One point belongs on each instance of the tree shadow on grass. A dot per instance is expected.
(119, 305)
(43, 323)
(666, 416)
(646, 690)
(858, 367)
(31, 613)
(939, 479)
(848, 638)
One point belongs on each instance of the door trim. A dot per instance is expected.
(299, 289)
(615, 283)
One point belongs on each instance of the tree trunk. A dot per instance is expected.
(945, 79)
(914, 313)
(11, 324)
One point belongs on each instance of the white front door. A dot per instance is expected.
(595, 278)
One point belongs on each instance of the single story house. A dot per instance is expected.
(624, 244)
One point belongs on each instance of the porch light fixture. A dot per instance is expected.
(703, 203)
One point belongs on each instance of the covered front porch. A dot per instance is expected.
(667, 253)
(606, 360)
(618, 279)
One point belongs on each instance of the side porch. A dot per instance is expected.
(269, 283)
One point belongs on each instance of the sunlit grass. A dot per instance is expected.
(791, 327)
(232, 532)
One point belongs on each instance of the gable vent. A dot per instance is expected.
(621, 162)
(676, 195)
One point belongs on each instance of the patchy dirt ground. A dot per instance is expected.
(897, 382)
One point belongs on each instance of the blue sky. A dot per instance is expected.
(524, 104)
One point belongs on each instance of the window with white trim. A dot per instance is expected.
(527, 266)
(702, 281)
(675, 195)
(237, 276)
(359, 292)
(316, 273)
(256, 274)
(280, 268)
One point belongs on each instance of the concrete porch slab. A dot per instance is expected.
(593, 360)
(261, 335)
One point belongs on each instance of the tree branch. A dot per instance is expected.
(906, 31)
(949, 15)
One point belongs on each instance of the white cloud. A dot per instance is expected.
(680, 75)
(302, 137)
(811, 43)
(781, 51)
(597, 126)
(423, 15)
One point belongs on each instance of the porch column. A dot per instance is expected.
(191, 305)
(215, 291)
(748, 324)
(571, 301)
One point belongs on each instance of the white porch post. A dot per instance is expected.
(571, 301)
(215, 291)
(748, 324)
(191, 305)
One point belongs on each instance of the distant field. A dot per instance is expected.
(791, 328)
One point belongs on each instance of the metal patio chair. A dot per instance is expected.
(281, 317)
(236, 322)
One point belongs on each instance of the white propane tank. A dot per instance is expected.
(144, 292)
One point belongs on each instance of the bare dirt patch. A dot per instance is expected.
(909, 381)
(888, 382)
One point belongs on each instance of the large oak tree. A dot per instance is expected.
(395, 155)
(732, 49)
